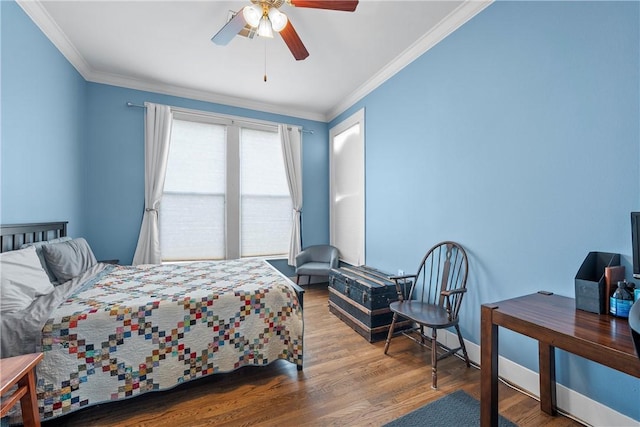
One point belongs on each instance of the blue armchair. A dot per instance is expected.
(316, 261)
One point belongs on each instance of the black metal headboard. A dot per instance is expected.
(12, 236)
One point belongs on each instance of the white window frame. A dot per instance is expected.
(233, 192)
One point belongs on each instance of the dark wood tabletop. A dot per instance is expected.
(554, 322)
(554, 319)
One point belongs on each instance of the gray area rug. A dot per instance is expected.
(456, 409)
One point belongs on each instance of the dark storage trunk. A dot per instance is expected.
(360, 297)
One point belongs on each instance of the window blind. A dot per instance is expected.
(265, 222)
(225, 192)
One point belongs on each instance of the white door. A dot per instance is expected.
(347, 216)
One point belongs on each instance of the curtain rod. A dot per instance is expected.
(131, 104)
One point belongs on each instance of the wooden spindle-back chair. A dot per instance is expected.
(433, 300)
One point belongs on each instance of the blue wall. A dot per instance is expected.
(43, 123)
(519, 137)
(115, 167)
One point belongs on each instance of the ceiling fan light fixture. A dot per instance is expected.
(264, 28)
(252, 14)
(264, 17)
(278, 19)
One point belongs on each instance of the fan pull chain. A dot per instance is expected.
(265, 60)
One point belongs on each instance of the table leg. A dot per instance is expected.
(547, 367)
(29, 402)
(488, 367)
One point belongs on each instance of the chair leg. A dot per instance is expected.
(464, 349)
(390, 334)
(297, 279)
(434, 358)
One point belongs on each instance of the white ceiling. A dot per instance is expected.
(165, 47)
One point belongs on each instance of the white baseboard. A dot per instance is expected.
(570, 402)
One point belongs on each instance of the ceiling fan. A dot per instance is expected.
(264, 16)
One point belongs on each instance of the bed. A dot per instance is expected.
(111, 332)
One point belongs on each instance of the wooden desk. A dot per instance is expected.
(554, 321)
(20, 370)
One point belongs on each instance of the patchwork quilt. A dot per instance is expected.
(128, 330)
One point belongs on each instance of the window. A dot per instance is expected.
(265, 201)
(225, 192)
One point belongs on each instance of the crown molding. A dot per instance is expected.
(462, 14)
(39, 15)
(199, 95)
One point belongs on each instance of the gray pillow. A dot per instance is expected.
(69, 259)
(43, 262)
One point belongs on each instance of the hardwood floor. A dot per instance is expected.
(346, 381)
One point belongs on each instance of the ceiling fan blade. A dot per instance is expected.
(292, 39)
(344, 5)
(230, 29)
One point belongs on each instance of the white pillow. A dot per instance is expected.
(22, 279)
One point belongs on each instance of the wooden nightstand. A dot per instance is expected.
(20, 370)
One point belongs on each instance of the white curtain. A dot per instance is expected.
(292, 152)
(157, 135)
